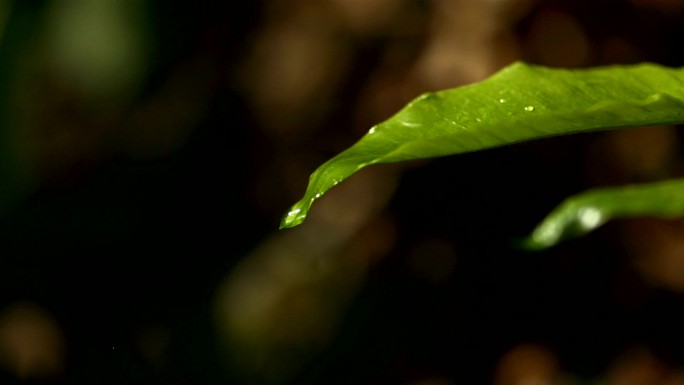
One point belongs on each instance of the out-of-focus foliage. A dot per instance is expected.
(580, 214)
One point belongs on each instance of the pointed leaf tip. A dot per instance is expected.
(295, 216)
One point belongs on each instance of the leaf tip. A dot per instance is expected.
(294, 217)
(532, 243)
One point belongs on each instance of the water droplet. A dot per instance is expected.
(502, 100)
(371, 131)
(318, 196)
(590, 218)
(529, 108)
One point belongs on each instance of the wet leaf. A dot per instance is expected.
(521, 102)
(587, 211)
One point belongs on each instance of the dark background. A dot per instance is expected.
(149, 148)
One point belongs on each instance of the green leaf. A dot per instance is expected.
(519, 103)
(587, 211)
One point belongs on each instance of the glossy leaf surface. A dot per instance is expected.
(587, 211)
(521, 102)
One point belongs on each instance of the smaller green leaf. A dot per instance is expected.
(587, 211)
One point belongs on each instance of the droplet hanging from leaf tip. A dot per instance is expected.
(293, 218)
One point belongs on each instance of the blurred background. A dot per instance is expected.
(149, 147)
